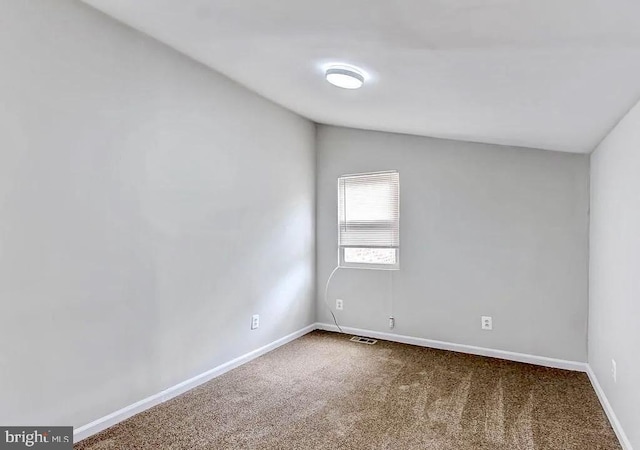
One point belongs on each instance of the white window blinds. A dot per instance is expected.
(369, 210)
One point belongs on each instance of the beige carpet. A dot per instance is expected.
(324, 392)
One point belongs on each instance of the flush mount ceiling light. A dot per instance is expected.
(345, 77)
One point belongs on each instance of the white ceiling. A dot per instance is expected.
(552, 74)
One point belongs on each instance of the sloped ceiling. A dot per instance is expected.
(549, 74)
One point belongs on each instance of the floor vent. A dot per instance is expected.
(363, 340)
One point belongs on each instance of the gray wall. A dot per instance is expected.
(614, 294)
(484, 230)
(148, 207)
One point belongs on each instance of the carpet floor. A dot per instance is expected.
(323, 391)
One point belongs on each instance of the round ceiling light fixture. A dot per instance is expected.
(346, 77)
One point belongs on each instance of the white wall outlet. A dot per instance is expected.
(487, 323)
(339, 304)
(614, 370)
(255, 321)
(392, 322)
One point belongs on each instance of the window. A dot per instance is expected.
(369, 220)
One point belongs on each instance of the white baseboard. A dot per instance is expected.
(462, 348)
(613, 419)
(109, 420)
(512, 356)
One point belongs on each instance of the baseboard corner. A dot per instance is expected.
(118, 416)
(608, 409)
(512, 356)
(575, 366)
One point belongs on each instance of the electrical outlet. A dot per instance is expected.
(487, 323)
(392, 322)
(255, 321)
(339, 304)
(614, 371)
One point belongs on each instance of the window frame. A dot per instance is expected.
(341, 248)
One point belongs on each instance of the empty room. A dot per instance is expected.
(355, 224)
